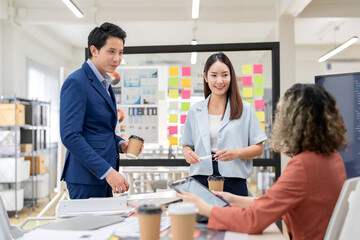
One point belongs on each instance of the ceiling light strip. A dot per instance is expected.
(195, 9)
(73, 8)
(338, 49)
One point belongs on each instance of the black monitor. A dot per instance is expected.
(346, 90)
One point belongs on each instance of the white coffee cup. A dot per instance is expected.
(183, 220)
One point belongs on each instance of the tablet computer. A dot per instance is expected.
(190, 185)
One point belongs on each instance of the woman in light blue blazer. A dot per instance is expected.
(222, 125)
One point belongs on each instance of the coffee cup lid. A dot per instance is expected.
(136, 137)
(149, 209)
(216, 178)
(182, 208)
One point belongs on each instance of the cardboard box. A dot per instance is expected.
(40, 165)
(7, 114)
(7, 170)
(26, 147)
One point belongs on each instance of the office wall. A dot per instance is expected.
(18, 45)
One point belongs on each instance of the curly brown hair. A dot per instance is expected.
(307, 119)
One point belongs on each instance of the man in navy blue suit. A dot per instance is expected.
(88, 118)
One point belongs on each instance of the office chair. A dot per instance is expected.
(344, 220)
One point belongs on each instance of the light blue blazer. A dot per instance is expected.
(233, 134)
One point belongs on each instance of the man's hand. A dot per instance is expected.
(117, 182)
(203, 207)
(124, 145)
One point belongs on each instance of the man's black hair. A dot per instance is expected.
(99, 35)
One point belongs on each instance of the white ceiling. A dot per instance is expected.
(168, 22)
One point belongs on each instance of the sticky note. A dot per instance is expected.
(173, 71)
(173, 130)
(247, 80)
(258, 68)
(259, 104)
(185, 94)
(249, 101)
(173, 118)
(161, 95)
(173, 82)
(247, 69)
(173, 93)
(173, 141)
(185, 106)
(247, 92)
(260, 116)
(183, 119)
(173, 105)
(186, 82)
(186, 71)
(263, 126)
(258, 91)
(259, 79)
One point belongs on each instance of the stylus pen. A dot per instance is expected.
(206, 157)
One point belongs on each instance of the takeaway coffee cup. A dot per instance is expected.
(149, 222)
(182, 220)
(134, 146)
(216, 183)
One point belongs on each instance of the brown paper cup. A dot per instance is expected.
(149, 222)
(216, 183)
(182, 220)
(134, 146)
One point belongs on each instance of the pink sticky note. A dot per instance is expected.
(185, 94)
(259, 104)
(186, 71)
(247, 80)
(183, 119)
(173, 130)
(258, 68)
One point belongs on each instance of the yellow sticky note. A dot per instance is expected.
(185, 82)
(247, 69)
(258, 91)
(174, 71)
(249, 101)
(173, 93)
(263, 126)
(173, 141)
(260, 116)
(173, 118)
(247, 92)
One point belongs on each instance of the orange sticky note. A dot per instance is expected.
(173, 71)
(185, 82)
(173, 141)
(263, 126)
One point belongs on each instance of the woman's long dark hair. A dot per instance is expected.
(233, 95)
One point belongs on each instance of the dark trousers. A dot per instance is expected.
(232, 185)
(85, 191)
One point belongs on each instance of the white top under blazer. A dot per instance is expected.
(233, 134)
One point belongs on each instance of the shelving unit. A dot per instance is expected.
(24, 147)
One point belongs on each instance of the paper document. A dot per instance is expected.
(130, 227)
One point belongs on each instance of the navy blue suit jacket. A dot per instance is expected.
(88, 118)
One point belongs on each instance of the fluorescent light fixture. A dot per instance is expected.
(73, 8)
(338, 49)
(193, 58)
(193, 42)
(195, 9)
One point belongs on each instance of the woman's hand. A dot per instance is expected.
(235, 200)
(226, 155)
(190, 156)
(203, 207)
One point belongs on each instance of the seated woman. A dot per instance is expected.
(309, 128)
